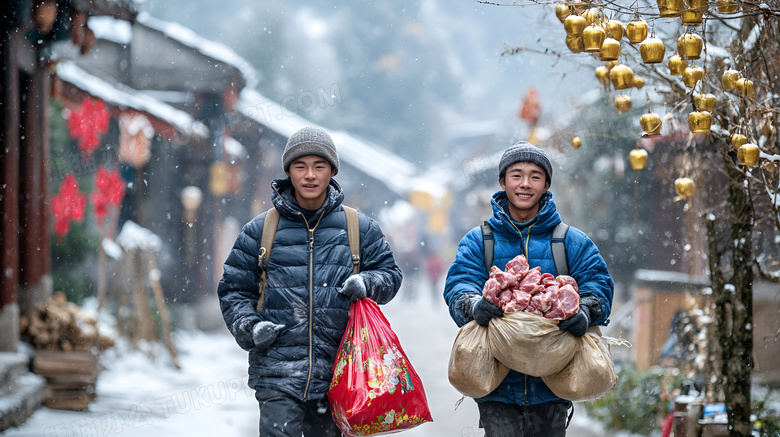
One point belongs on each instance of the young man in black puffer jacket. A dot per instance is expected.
(293, 340)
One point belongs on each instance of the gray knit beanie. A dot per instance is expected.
(523, 151)
(310, 141)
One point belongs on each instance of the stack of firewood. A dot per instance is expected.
(67, 345)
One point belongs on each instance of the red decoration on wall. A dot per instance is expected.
(88, 123)
(109, 191)
(530, 108)
(67, 205)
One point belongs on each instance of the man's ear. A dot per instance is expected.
(546, 185)
(502, 182)
(332, 171)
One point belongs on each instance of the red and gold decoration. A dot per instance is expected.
(87, 124)
(67, 205)
(109, 191)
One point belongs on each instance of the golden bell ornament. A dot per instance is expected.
(677, 65)
(691, 75)
(691, 17)
(670, 8)
(574, 25)
(610, 49)
(650, 123)
(697, 5)
(638, 82)
(636, 30)
(700, 122)
(748, 155)
(602, 74)
(562, 11)
(729, 79)
(592, 16)
(652, 50)
(576, 142)
(684, 187)
(737, 140)
(705, 102)
(575, 44)
(592, 37)
(727, 6)
(622, 77)
(638, 159)
(622, 103)
(689, 46)
(745, 86)
(615, 29)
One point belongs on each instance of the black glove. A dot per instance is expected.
(354, 288)
(264, 334)
(481, 310)
(578, 323)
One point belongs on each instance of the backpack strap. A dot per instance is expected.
(489, 242)
(270, 223)
(353, 233)
(558, 247)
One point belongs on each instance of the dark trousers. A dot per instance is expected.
(284, 416)
(508, 420)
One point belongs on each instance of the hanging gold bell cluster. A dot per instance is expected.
(589, 30)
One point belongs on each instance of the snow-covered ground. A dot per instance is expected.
(141, 394)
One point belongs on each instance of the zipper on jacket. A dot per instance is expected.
(311, 297)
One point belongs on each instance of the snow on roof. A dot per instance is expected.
(397, 173)
(212, 49)
(233, 147)
(123, 96)
(665, 276)
(111, 29)
(134, 236)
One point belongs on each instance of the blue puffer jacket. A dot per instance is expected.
(301, 292)
(468, 274)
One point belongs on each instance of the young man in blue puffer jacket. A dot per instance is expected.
(293, 340)
(524, 216)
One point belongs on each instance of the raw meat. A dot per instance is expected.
(521, 289)
(569, 299)
(505, 280)
(490, 291)
(565, 279)
(517, 266)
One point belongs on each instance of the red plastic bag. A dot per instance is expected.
(374, 389)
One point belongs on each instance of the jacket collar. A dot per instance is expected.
(544, 221)
(283, 198)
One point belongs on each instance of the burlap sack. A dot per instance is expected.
(591, 373)
(472, 370)
(530, 344)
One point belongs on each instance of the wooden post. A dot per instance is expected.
(145, 324)
(160, 299)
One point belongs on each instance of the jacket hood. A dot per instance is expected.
(546, 219)
(283, 198)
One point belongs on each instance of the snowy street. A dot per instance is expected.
(140, 396)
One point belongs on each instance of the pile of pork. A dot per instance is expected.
(519, 288)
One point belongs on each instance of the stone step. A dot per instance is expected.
(21, 392)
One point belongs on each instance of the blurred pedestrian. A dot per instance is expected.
(524, 216)
(293, 340)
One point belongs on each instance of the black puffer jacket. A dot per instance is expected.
(301, 292)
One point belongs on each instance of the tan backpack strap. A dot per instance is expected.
(270, 223)
(353, 233)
